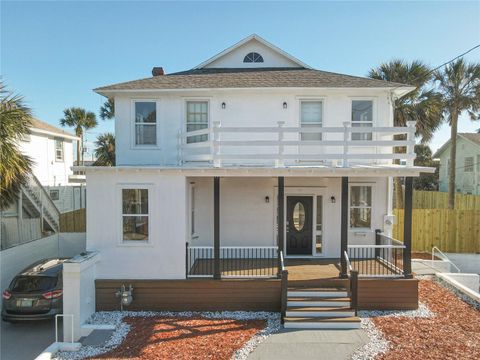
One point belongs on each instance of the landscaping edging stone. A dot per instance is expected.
(122, 329)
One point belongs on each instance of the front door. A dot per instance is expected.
(299, 225)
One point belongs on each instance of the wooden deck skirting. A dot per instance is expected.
(243, 294)
(192, 295)
(388, 294)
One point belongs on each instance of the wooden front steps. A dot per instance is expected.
(319, 308)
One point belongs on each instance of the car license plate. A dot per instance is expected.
(25, 303)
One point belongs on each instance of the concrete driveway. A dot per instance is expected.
(25, 340)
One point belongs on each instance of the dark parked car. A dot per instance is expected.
(36, 293)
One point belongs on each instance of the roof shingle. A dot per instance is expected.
(250, 78)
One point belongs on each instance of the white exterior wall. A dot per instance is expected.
(15, 259)
(164, 256)
(41, 148)
(465, 182)
(247, 220)
(247, 107)
(234, 59)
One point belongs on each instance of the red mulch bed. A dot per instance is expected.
(423, 256)
(453, 333)
(183, 338)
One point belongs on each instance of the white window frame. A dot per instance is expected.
(374, 116)
(371, 207)
(133, 139)
(62, 158)
(470, 166)
(310, 99)
(185, 113)
(134, 243)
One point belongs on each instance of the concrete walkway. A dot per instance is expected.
(310, 344)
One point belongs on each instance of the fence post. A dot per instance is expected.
(284, 291)
(407, 228)
(216, 147)
(187, 270)
(354, 290)
(377, 242)
(346, 124)
(280, 161)
(411, 138)
(180, 144)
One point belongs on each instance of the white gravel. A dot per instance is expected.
(378, 344)
(115, 318)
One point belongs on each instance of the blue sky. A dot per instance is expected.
(54, 53)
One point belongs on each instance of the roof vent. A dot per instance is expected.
(158, 71)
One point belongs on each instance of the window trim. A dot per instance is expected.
(310, 99)
(253, 53)
(186, 100)
(371, 207)
(471, 166)
(374, 114)
(193, 200)
(63, 149)
(119, 207)
(134, 145)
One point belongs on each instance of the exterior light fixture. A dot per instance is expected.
(267, 199)
(332, 199)
(224, 105)
(285, 105)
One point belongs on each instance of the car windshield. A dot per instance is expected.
(33, 283)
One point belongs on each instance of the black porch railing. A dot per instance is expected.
(384, 259)
(234, 261)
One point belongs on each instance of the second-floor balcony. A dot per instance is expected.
(289, 146)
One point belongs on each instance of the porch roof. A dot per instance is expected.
(259, 171)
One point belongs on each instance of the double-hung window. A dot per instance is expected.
(58, 150)
(145, 123)
(469, 164)
(311, 115)
(135, 215)
(360, 206)
(362, 116)
(197, 119)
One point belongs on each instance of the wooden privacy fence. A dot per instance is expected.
(73, 221)
(439, 200)
(449, 230)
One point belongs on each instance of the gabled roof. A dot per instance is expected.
(41, 127)
(471, 137)
(214, 78)
(246, 40)
(296, 75)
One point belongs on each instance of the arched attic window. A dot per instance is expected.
(253, 57)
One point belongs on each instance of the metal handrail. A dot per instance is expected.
(445, 257)
(376, 246)
(282, 261)
(347, 260)
(47, 196)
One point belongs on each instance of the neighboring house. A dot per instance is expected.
(248, 164)
(467, 169)
(51, 150)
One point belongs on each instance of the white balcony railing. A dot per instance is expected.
(282, 145)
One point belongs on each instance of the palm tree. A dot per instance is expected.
(81, 120)
(459, 84)
(105, 150)
(15, 123)
(423, 105)
(107, 110)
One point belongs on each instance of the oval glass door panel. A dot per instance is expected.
(299, 216)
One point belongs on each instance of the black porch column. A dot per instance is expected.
(281, 217)
(407, 228)
(216, 228)
(344, 228)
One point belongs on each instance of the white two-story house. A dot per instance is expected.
(242, 169)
